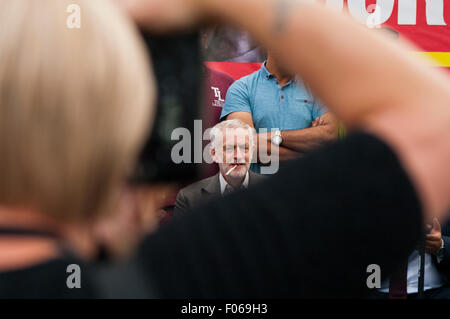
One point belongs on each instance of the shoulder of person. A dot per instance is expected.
(255, 177)
(198, 185)
(245, 80)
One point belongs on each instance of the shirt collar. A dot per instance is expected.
(266, 72)
(267, 75)
(223, 182)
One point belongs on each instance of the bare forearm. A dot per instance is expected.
(266, 153)
(309, 138)
(287, 154)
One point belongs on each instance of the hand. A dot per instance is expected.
(317, 122)
(137, 214)
(165, 15)
(434, 238)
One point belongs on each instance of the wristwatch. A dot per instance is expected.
(276, 138)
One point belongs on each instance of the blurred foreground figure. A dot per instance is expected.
(75, 104)
(314, 229)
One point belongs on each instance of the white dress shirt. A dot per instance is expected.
(224, 183)
(432, 277)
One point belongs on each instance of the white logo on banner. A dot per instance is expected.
(219, 102)
(374, 20)
(407, 11)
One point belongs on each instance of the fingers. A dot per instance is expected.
(433, 237)
(433, 246)
(318, 122)
(436, 226)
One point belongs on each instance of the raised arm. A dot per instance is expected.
(368, 81)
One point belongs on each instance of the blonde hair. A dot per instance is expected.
(75, 105)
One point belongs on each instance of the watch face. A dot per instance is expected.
(276, 140)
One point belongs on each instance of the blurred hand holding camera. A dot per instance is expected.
(139, 212)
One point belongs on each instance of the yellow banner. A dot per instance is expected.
(439, 59)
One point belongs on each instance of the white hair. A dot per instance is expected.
(215, 133)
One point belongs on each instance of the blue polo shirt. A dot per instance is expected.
(288, 107)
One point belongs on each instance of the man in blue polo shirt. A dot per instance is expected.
(275, 100)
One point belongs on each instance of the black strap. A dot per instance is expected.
(421, 281)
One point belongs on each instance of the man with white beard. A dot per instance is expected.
(232, 146)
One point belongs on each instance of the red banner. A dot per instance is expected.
(423, 22)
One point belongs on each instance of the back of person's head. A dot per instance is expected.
(75, 104)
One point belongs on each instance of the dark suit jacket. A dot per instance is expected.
(444, 265)
(205, 190)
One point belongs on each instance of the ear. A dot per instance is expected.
(212, 151)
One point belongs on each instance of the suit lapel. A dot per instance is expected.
(213, 187)
(254, 178)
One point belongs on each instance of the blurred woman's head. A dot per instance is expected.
(75, 105)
